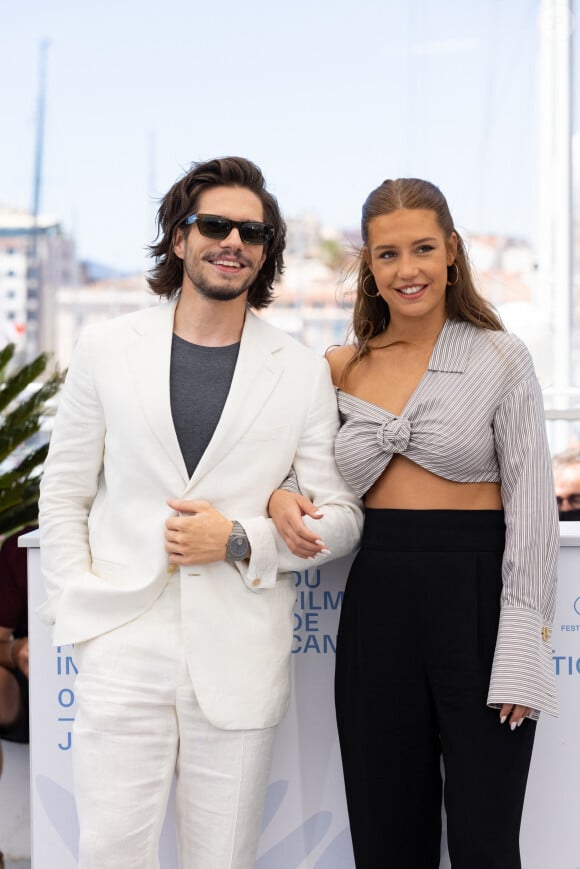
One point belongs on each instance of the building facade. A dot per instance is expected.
(36, 260)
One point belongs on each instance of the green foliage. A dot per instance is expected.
(332, 253)
(21, 413)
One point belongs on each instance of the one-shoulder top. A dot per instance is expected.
(477, 416)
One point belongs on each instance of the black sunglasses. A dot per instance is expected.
(213, 226)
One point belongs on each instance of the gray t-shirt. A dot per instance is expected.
(200, 379)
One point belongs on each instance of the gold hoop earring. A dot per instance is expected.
(452, 283)
(369, 295)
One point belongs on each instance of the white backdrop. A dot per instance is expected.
(305, 823)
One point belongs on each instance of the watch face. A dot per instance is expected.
(238, 544)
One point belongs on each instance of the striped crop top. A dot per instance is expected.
(473, 406)
(477, 416)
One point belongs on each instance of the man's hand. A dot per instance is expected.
(199, 535)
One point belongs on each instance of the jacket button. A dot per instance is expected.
(256, 582)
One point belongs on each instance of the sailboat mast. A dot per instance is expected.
(555, 195)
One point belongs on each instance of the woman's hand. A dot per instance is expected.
(514, 714)
(287, 510)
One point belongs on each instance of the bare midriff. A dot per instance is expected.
(405, 485)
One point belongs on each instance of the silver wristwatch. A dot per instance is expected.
(238, 545)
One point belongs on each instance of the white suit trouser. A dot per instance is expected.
(138, 722)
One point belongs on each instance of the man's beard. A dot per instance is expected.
(219, 293)
(215, 291)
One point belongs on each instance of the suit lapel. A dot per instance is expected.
(149, 357)
(256, 374)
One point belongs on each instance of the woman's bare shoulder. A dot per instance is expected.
(338, 358)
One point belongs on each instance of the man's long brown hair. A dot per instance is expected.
(166, 277)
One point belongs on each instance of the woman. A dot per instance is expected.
(443, 646)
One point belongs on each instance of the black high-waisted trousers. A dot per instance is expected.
(414, 653)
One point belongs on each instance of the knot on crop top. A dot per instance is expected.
(393, 435)
(367, 441)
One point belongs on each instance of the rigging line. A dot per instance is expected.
(519, 106)
(520, 67)
(483, 163)
(416, 110)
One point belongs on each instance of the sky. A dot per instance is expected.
(328, 97)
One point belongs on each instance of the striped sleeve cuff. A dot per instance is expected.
(290, 484)
(522, 671)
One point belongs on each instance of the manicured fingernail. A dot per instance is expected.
(319, 542)
(318, 515)
(503, 719)
(325, 551)
(513, 725)
(520, 722)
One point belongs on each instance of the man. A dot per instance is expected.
(174, 427)
(566, 468)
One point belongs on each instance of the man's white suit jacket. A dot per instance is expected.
(114, 459)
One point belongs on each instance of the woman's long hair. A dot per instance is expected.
(462, 300)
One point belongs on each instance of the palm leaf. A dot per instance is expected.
(21, 415)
